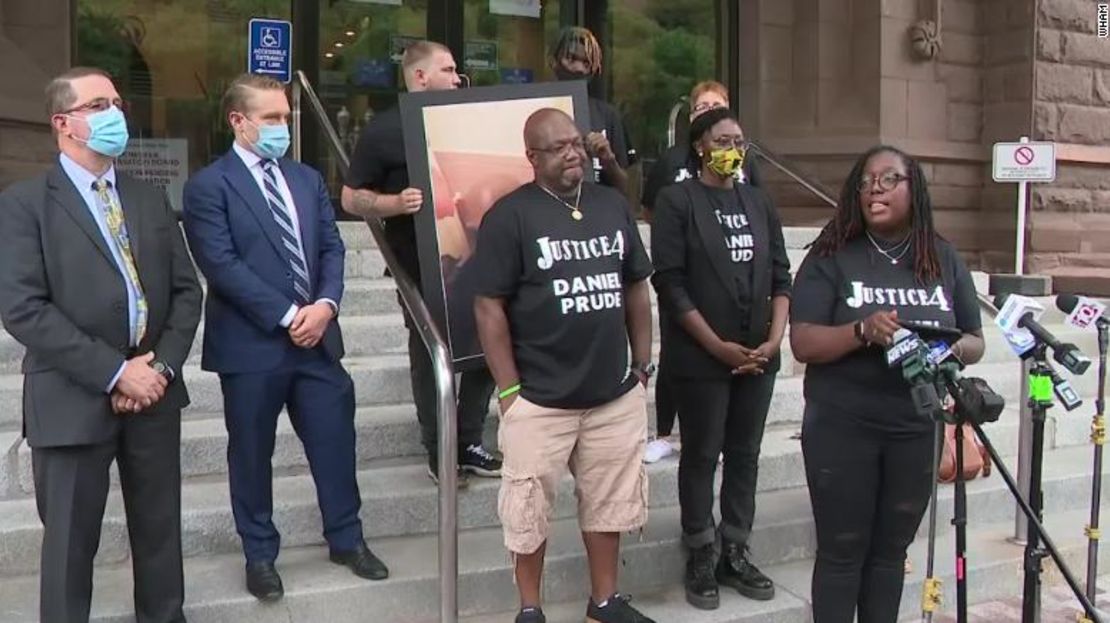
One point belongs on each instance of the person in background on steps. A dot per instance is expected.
(98, 287)
(576, 55)
(868, 454)
(675, 165)
(378, 186)
(263, 232)
(562, 294)
(723, 279)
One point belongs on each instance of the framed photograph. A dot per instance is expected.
(465, 150)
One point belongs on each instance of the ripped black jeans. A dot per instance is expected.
(869, 491)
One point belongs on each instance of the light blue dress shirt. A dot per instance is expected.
(83, 180)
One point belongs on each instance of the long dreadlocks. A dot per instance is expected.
(576, 41)
(848, 224)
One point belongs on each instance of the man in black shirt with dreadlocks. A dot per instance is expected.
(576, 55)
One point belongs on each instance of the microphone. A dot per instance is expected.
(1018, 320)
(1083, 312)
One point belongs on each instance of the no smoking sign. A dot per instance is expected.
(1024, 162)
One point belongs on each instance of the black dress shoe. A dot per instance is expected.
(362, 562)
(264, 582)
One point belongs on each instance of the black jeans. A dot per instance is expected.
(665, 408)
(720, 416)
(474, 390)
(869, 491)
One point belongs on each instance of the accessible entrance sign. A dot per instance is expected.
(270, 49)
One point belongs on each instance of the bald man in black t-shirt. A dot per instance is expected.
(562, 296)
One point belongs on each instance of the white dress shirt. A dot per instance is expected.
(254, 164)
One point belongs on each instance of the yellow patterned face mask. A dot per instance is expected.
(726, 162)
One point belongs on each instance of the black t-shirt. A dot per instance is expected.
(564, 283)
(851, 285)
(605, 119)
(738, 236)
(673, 166)
(379, 164)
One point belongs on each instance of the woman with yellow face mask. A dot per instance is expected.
(723, 280)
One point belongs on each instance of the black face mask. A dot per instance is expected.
(562, 73)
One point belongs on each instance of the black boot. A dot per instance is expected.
(701, 584)
(736, 571)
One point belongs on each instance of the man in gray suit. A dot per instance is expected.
(96, 283)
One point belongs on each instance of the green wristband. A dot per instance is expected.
(509, 392)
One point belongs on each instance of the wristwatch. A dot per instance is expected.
(647, 368)
(161, 368)
(858, 330)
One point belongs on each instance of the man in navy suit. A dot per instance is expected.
(263, 232)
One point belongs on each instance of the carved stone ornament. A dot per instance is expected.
(925, 40)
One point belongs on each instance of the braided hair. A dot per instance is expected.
(699, 127)
(578, 41)
(848, 224)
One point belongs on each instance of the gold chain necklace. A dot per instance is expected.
(575, 213)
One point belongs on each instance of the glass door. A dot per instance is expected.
(359, 56)
(506, 41)
(655, 52)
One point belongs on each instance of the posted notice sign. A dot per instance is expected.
(270, 49)
(1025, 162)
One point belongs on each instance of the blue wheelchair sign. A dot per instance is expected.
(270, 49)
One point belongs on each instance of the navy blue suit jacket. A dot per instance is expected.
(237, 245)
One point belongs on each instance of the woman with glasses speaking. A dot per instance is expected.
(723, 280)
(877, 264)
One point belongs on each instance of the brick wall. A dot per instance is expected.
(1070, 219)
(34, 45)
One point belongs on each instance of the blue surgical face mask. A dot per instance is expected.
(107, 132)
(273, 140)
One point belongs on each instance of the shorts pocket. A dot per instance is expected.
(521, 508)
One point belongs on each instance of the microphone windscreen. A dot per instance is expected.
(1066, 302)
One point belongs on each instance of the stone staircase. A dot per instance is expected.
(400, 503)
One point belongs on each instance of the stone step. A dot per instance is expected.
(391, 431)
(651, 571)
(399, 499)
(994, 572)
(384, 379)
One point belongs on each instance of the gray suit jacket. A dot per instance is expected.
(62, 296)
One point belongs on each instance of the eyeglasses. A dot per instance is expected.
(563, 148)
(99, 104)
(888, 181)
(725, 142)
(704, 106)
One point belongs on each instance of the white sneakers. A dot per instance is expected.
(658, 449)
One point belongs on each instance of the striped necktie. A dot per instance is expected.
(289, 236)
(113, 215)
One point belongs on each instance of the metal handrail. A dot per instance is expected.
(780, 163)
(437, 349)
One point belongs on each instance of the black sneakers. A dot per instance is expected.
(701, 583)
(616, 609)
(530, 615)
(478, 461)
(735, 570)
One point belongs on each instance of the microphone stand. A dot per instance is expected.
(931, 589)
(1098, 438)
(1040, 400)
(959, 520)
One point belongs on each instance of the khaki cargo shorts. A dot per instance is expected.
(603, 447)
